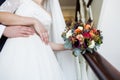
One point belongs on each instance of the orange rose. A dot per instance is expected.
(77, 30)
(92, 33)
(87, 27)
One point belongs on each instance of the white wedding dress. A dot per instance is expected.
(29, 58)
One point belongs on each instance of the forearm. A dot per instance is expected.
(57, 46)
(7, 18)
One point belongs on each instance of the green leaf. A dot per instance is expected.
(68, 44)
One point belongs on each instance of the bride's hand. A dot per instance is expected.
(41, 31)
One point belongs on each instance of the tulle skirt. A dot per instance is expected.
(28, 59)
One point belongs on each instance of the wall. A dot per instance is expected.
(109, 23)
(96, 9)
(68, 11)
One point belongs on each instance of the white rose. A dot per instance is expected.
(80, 27)
(92, 45)
(69, 33)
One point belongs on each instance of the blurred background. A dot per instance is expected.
(106, 16)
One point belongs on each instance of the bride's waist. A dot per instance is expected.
(34, 36)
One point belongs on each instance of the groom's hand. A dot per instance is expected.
(18, 31)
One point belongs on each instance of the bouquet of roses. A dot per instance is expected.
(81, 38)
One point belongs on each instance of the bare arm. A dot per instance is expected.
(7, 18)
(57, 46)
